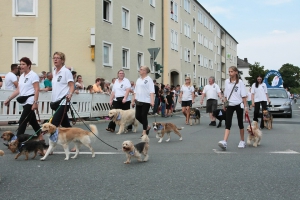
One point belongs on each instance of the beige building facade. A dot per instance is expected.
(36, 29)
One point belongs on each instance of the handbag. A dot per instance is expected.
(226, 103)
(54, 105)
(22, 99)
(138, 103)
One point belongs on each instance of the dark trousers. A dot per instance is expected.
(156, 104)
(57, 117)
(239, 113)
(256, 111)
(141, 113)
(28, 115)
(119, 105)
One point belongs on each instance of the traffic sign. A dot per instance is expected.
(153, 52)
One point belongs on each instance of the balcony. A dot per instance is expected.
(223, 75)
(223, 59)
(222, 43)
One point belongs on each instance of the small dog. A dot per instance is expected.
(123, 118)
(220, 114)
(255, 135)
(268, 119)
(64, 136)
(162, 128)
(194, 115)
(32, 146)
(132, 150)
(1, 153)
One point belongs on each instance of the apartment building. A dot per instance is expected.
(195, 44)
(125, 30)
(36, 29)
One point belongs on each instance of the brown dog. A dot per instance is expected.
(194, 115)
(32, 146)
(268, 119)
(162, 128)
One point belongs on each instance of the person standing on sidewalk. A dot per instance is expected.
(143, 98)
(259, 97)
(28, 91)
(235, 93)
(119, 97)
(211, 92)
(156, 98)
(11, 79)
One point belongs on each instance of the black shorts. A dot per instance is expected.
(168, 106)
(211, 105)
(186, 103)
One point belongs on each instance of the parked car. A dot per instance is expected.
(280, 102)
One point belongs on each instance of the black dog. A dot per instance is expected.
(220, 114)
(32, 146)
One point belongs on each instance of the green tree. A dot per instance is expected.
(290, 75)
(254, 71)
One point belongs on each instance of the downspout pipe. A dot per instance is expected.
(50, 35)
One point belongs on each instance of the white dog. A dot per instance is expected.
(123, 118)
(255, 135)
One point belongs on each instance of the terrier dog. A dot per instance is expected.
(162, 128)
(32, 146)
(255, 135)
(268, 119)
(194, 115)
(220, 114)
(132, 150)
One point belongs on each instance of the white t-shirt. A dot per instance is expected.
(60, 87)
(26, 85)
(237, 94)
(143, 88)
(119, 88)
(187, 92)
(211, 91)
(10, 78)
(259, 92)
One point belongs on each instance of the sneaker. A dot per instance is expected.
(242, 144)
(213, 123)
(223, 145)
(156, 114)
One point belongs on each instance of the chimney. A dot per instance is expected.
(246, 60)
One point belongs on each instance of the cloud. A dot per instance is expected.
(276, 2)
(217, 10)
(272, 51)
(278, 32)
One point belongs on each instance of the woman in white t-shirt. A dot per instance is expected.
(144, 95)
(28, 89)
(259, 97)
(187, 98)
(237, 102)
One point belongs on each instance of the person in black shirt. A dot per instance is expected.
(156, 99)
(169, 103)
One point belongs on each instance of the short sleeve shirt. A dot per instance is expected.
(212, 91)
(238, 92)
(187, 92)
(120, 87)
(60, 80)
(259, 92)
(47, 83)
(10, 78)
(26, 86)
(143, 88)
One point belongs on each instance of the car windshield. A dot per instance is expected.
(277, 93)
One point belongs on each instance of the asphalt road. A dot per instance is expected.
(194, 168)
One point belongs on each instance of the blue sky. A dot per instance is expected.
(268, 31)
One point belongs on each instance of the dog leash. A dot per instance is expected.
(247, 117)
(91, 130)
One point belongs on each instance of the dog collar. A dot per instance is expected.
(14, 138)
(54, 136)
(131, 153)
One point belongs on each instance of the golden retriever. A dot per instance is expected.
(123, 118)
(132, 150)
(162, 128)
(64, 136)
(254, 137)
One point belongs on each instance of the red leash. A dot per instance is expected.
(247, 117)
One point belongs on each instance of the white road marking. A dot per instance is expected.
(102, 153)
(224, 152)
(285, 152)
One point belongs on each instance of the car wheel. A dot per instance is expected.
(290, 115)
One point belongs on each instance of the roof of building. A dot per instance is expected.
(242, 63)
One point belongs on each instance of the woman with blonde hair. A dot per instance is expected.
(187, 98)
(235, 93)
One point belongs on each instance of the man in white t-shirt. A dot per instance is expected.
(211, 92)
(11, 79)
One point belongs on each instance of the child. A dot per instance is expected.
(169, 103)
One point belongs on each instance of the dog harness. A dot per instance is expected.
(54, 136)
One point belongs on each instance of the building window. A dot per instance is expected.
(187, 30)
(125, 58)
(28, 7)
(25, 47)
(174, 11)
(194, 25)
(107, 54)
(187, 6)
(152, 31)
(200, 16)
(125, 18)
(188, 55)
(140, 60)
(140, 25)
(194, 71)
(107, 11)
(152, 3)
(174, 40)
(194, 47)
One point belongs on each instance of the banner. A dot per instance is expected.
(277, 80)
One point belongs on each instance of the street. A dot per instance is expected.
(194, 168)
